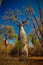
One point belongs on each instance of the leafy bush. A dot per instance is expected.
(18, 44)
(36, 42)
(30, 37)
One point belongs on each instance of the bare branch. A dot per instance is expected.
(0, 2)
(38, 2)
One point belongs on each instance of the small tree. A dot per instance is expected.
(8, 32)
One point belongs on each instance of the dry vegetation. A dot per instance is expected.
(6, 59)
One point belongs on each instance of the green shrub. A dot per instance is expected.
(18, 44)
(36, 42)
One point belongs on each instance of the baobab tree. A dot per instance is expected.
(22, 34)
(7, 32)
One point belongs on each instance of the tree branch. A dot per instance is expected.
(25, 21)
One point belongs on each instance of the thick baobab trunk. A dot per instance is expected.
(6, 41)
(22, 36)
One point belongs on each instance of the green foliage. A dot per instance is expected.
(1, 39)
(1, 43)
(30, 37)
(18, 45)
(8, 30)
(36, 42)
(16, 36)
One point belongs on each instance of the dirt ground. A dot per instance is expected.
(21, 60)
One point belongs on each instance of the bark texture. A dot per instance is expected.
(22, 36)
(6, 41)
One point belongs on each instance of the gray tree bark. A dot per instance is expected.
(22, 36)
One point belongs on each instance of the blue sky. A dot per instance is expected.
(19, 4)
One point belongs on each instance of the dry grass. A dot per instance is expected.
(23, 60)
(6, 60)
